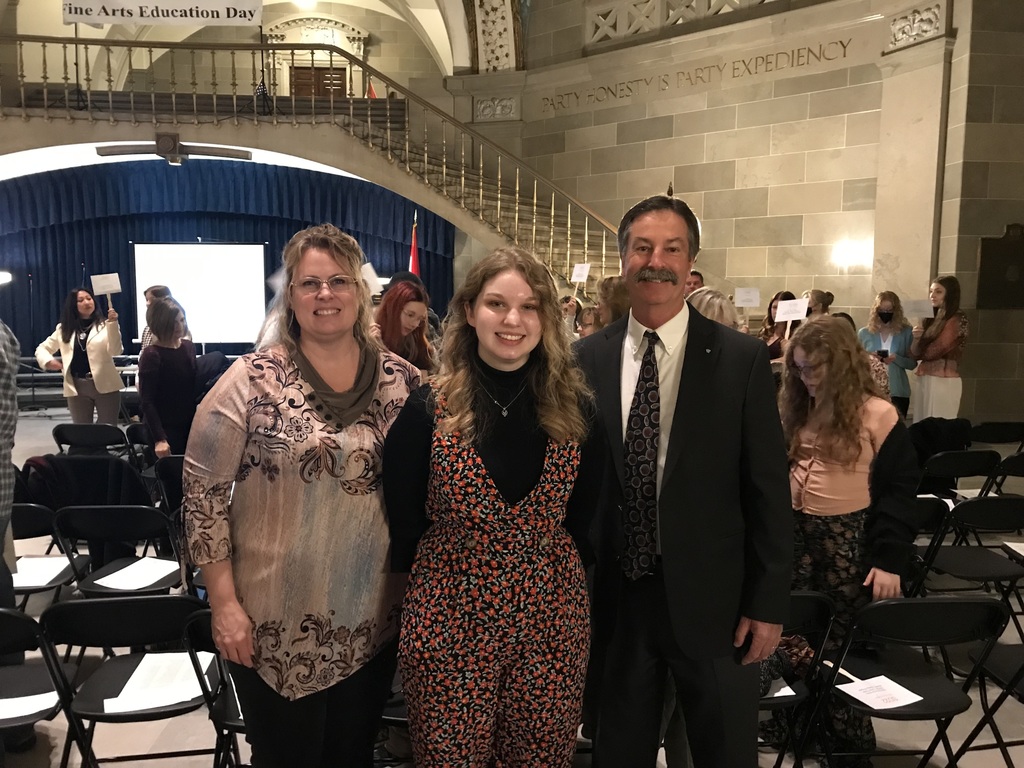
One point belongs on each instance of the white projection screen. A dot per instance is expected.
(219, 285)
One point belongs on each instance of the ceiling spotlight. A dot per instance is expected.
(5, 277)
(305, 5)
(175, 159)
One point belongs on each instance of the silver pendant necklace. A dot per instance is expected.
(504, 408)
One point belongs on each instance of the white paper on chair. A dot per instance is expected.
(19, 706)
(141, 573)
(949, 502)
(1014, 547)
(37, 571)
(880, 693)
(160, 680)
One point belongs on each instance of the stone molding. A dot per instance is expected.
(915, 26)
(610, 21)
(496, 35)
(495, 108)
(319, 30)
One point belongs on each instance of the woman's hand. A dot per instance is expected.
(55, 365)
(374, 331)
(232, 632)
(917, 332)
(162, 448)
(883, 584)
(111, 315)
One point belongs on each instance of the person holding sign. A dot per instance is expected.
(87, 344)
(939, 344)
(853, 479)
(774, 333)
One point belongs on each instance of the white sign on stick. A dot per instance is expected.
(917, 308)
(747, 297)
(371, 278)
(106, 283)
(795, 309)
(206, 13)
(580, 272)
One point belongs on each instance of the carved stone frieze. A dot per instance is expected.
(490, 109)
(319, 30)
(496, 35)
(915, 25)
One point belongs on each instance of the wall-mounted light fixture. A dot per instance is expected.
(847, 254)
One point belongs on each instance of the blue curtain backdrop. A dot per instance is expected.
(62, 227)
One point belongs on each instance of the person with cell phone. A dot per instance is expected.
(889, 336)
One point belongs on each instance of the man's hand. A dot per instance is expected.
(883, 584)
(764, 639)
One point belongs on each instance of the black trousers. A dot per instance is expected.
(334, 728)
(719, 697)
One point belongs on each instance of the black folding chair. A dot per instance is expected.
(142, 444)
(218, 690)
(93, 439)
(901, 627)
(105, 523)
(948, 468)
(119, 622)
(999, 433)
(933, 513)
(974, 517)
(35, 678)
(1005, 668)
(169, 480)
(32, 521)
(1011, 466)
(810, 616)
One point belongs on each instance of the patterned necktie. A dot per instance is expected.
(640, 454)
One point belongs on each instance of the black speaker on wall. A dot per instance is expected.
(1001, 270)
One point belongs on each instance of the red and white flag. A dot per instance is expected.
(370, 93)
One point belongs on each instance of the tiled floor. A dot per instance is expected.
(194, 731)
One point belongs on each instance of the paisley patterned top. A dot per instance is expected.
(272, 482)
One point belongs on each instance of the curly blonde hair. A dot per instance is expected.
(898, 320)
(280, 327)
(836, 406)
(554, 380)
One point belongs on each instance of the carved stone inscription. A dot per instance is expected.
(784, 62)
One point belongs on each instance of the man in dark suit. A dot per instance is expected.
(695, 539)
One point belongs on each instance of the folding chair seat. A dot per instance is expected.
(948, 468)
(218, 690)
(810, 616)
(1011, 466)
(32, 521)
(122, 622)
(1005, 668)
(93, 439)
(29, 691)
(106, 523)
(974, 517)
(901, 627)
(999, 433)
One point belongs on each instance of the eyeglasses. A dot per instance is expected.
(310, 286)
(804, 370)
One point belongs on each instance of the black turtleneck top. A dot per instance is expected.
(511, 447)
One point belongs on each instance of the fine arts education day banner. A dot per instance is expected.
(153, 12)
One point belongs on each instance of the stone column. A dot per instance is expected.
(911, 150)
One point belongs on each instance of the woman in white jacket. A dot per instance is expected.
(87, 344)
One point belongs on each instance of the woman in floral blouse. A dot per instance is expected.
(284, 514)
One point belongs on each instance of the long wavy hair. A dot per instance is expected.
(415, 348)
(280, 327)
(950, 308)
(768, 324)
(898, 319)
(70, 320)
(613, 293)
(554, 380)
(845, 384)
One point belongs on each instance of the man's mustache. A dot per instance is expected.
(650, 274)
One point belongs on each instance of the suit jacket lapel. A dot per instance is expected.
(695, 388)
(609, 388)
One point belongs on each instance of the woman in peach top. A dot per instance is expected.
(853, 478)
(939, 344)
